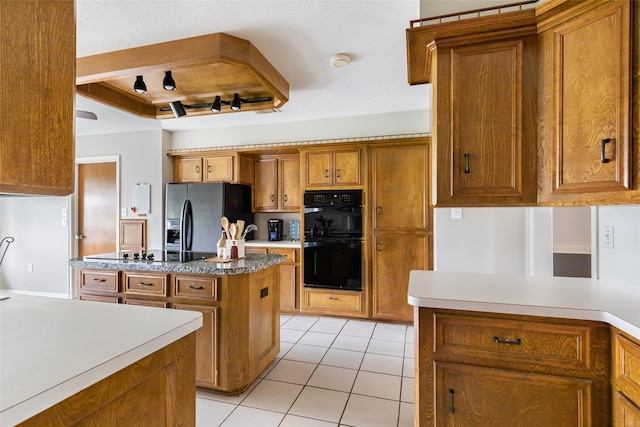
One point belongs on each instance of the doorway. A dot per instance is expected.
(97, 206)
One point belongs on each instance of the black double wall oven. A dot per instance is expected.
(333, 239)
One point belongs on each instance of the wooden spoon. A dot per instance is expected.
(232, 231)
(239, 229)
(225, 225)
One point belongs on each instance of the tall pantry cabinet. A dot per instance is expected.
(401, 224)
(37, 95)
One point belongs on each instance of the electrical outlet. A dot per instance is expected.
(64, 222)
(30, 267)
(608, 237)
(456, 213)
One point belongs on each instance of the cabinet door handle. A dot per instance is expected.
(507, 341)
(326, 173)
(273, 197)
(379, 210)
(145, 284)
(337, 173)
(452, 408)
(466, 162)
(197, 288)
(603, 143)
(197, 169)
(378, 247)
(209, 168)
(286, 197)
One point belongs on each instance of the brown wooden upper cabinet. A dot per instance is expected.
(329, 168)
(585, 103)
(484, 125)
(37, 146)
(277, 184)
(213, 168)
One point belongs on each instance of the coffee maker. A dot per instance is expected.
(275, 227)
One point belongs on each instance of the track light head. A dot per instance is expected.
(139, 85)
(178, 109)
(216, 105)
(168, 83)
(235, 103)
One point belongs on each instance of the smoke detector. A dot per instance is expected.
(340, 60)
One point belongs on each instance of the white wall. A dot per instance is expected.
(621, 264)
(142, 160)
(40, 240)
(572, 230)
(410, 122)
(484, 240)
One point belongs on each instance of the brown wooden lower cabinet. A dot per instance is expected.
(625, 379)
(289, 275)
(491, 369)
(240, 335)
(155, 391)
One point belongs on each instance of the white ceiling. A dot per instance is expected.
(297, 36)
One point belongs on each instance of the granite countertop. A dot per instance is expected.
(561, 297)
(53, 348)
(251, 263)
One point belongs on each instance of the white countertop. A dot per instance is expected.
(52, 348)
(562, 297)
(295, 244)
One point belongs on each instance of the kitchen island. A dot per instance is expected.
(62, 361)
(522, 350)
(239, 302)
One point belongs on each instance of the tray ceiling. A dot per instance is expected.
(203, 67)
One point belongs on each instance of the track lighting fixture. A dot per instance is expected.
(178, 109)
(216, 105)
(235, 103)
(168, 83)
(139, 85)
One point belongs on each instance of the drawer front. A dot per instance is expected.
(333, 301)
(288, 253)
(160, 304)
(196, 287)
(99, 298)
(105, 281)
(511, 340)
(255, 250)
(145, 284)
(626, 367)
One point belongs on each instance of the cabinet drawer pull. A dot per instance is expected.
(514, 342)
(603, 158)
(197, 288)
(466, 162)
(145, 284)
(333, 298)
(100, 280)
(452, 408)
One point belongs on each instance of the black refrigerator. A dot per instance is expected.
(193, 213)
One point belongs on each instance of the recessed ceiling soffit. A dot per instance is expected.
(202, 67)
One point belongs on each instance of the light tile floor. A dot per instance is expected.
(329, 372)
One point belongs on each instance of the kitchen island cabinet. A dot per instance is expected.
(493, 339)
(66, 362)
(239, 302)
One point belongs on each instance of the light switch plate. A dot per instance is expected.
(456, 213)
(123, 212)
(608, 237)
